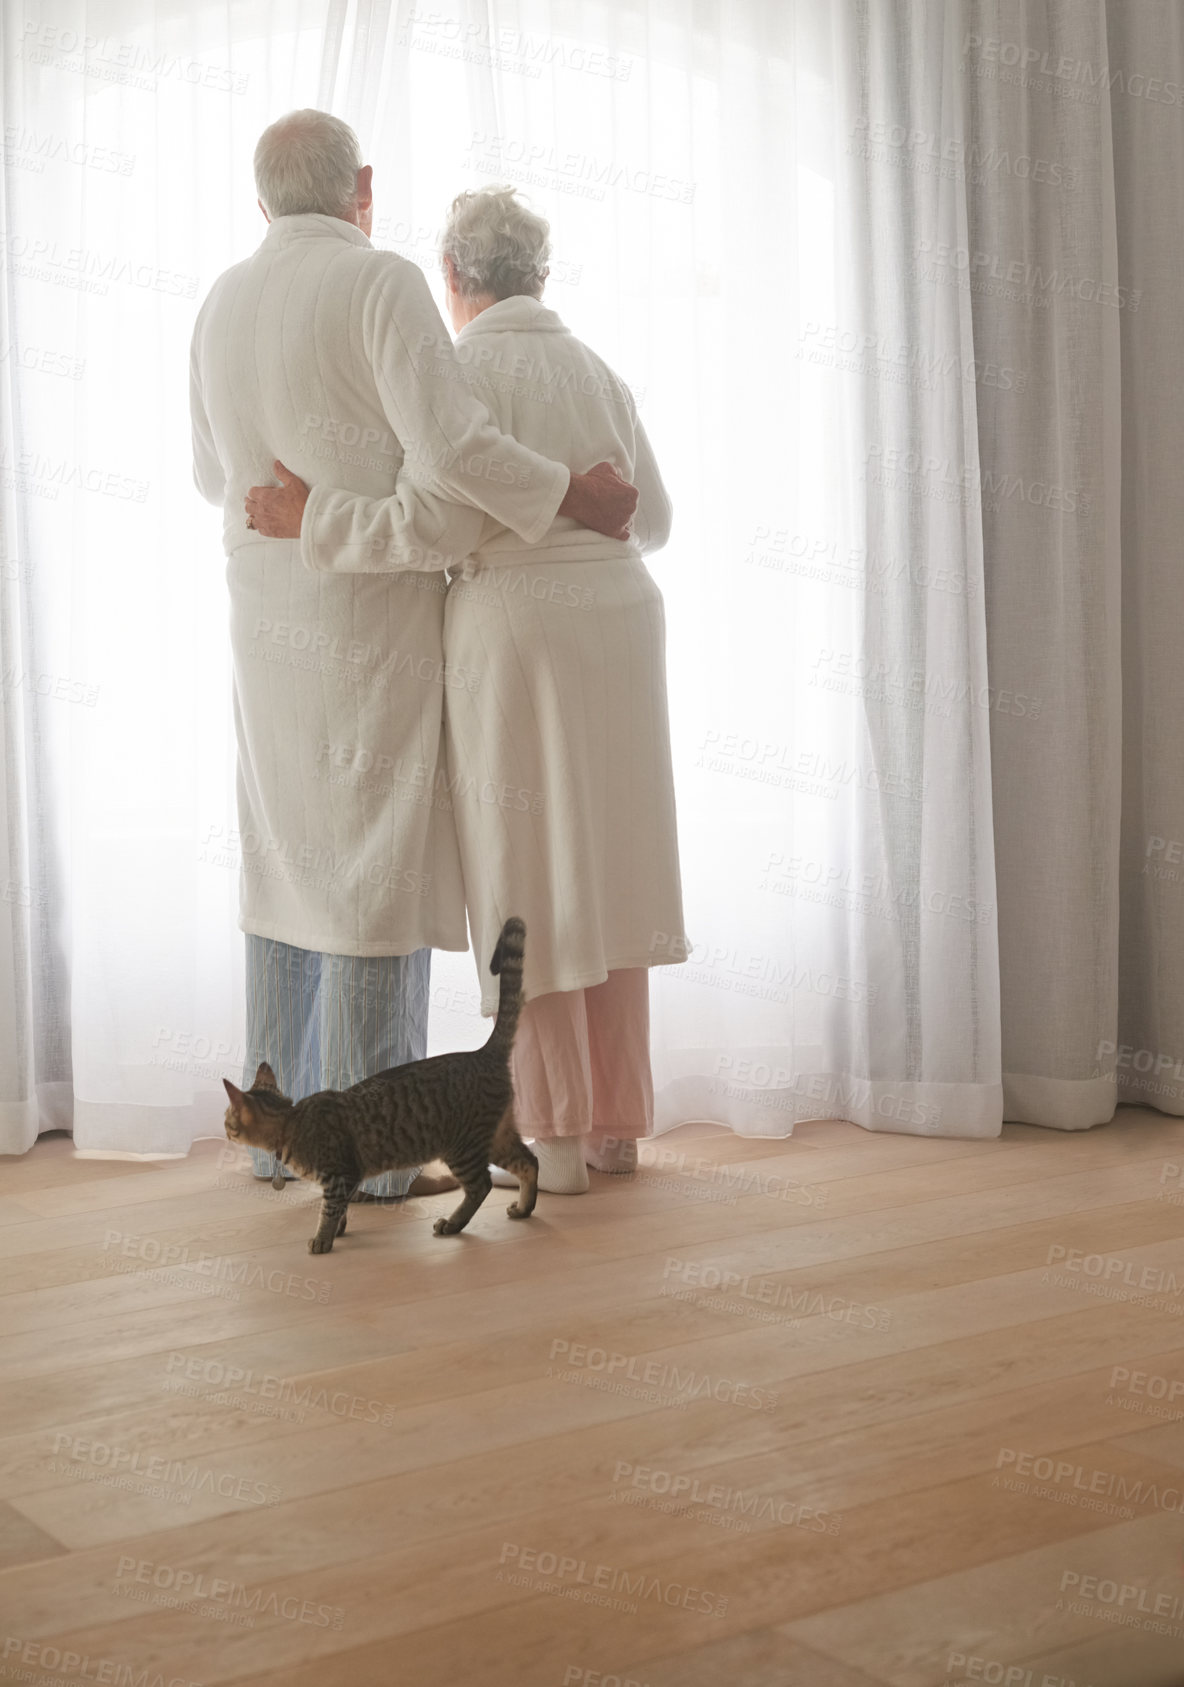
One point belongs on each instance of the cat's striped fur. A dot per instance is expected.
(454, 1107)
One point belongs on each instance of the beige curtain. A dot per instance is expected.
(1072, 258)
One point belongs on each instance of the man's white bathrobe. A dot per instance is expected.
(331, 356)
(559, 760)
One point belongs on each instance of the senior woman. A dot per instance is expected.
(558, 742)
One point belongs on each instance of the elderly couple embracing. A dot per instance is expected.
(449, 686)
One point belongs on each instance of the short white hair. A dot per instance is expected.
(307, 161)
(497, 244)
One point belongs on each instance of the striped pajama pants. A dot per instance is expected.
(328, 1021)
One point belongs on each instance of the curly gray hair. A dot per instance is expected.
(307, 161)
(496, 243)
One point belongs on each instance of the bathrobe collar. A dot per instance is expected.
(518, 315)
(281, 231)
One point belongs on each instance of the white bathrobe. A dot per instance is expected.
(331, 356)
(559, 760)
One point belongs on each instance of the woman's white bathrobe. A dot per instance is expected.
(331, 356)
(559, 755)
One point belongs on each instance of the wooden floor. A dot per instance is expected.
(896, 1444)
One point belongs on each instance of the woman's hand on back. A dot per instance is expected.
(277, 511)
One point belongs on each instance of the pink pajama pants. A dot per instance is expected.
(581, 1062)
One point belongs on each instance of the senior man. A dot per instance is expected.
(330, 355)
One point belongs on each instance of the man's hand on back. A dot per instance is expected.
(602, 500)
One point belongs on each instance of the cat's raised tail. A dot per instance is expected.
(507, 963)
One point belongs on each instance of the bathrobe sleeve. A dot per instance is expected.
(208, 474)
(345, 533)
(651, 520)
(446, 433)
(417, 528)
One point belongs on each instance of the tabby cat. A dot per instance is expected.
(454, 1107)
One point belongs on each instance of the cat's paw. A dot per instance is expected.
(341, 1226)
(515, 1211)
(316, 1246)
(444, 1227)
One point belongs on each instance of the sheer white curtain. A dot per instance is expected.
(128, 132)
(758, 215)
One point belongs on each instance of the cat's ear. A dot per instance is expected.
(265, 1078)
(244, 1110)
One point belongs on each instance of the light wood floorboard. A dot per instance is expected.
(844, 1410)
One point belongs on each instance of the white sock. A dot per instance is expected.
(613, 1154)
(561, 1165)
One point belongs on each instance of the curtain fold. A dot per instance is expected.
(1073, 253)
(893, 283)
(1146, 47)
(1040, 266)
